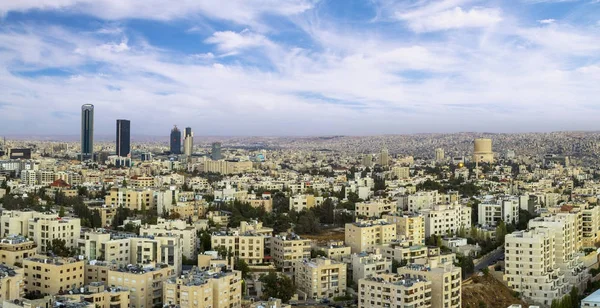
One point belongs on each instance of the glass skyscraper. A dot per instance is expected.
(216, 151)
(175, 141)
(123, 138)
(87, 131)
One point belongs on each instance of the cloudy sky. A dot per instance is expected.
(300, 67)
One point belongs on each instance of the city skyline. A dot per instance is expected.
(302, 67)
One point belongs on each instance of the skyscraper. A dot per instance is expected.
(215, 154)
(123, 138)
(439, 155)
(188, 142)
(175, 141)
(384, 157)
(87, 131)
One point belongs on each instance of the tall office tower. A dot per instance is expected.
(384, 157)
(215, 154)
(367, 160)
(123, 138)
(87, 131)
(188, 142)
(482, 153)
(175, 141)
(439, 155)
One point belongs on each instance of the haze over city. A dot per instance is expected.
(300, 67)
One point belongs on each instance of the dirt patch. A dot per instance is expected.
(326, 235)
(485, 291)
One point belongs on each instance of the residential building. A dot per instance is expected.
(530, 265)
(393, 290)
(301, 202)
(144, 282)
(408, 226)
(590, 225)
(98, 294)
(15, 248)
(592, 300)
(364, 235)
(446, 282)
(52, 275)
(247, 246)
(286, 249)
(335, 250)
(179, 228)
(374, 208)
(11, 283)
(204, 289)
(505, 209)
(320, 278)
(133, 199)
(446, 219)
(366, 265)
(402, 173)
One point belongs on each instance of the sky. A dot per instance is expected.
(300, 67)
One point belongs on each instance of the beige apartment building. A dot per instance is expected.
(301, 202)
(131, 198)
(141, 181)
(446, 282)
(11, 283)
(408, 226)
(179, 228)
(590, 225)
(100, 296)
(204, 289)
(248, 246)
(393, 290)
(287, 249)
(144, 282)
(366, 265)
(227, 167)
(402, 173)
(320, 278)
(446, 219)
(15, 248)
(47, 275)
(364, 235)
(336, 250)
(530, 265)
(97, 271)
(374, 208)
(42, 228)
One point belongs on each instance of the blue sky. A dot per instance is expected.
(300, 67)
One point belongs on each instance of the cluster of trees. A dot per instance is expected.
(277, 286)
(59, 248)
(466, 265)
(570, 300)
(455, 184)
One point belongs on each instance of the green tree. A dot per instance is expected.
(277, 286)
(396, 265)
(58, 247)
(61, 212)
(574, 297)
(501, 232)
(242, 266)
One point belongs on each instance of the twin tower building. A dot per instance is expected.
(123, 138)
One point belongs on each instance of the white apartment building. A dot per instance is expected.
(408, 226)
(41, 228)
(366, 265)
(530, 265)
(425, 200)
(446, 219)
(590, 225)
(179, 228)
(505, 209)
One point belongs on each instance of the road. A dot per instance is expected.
(490, 259)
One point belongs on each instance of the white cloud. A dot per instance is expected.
(246, 12)
(455, 18)
(547, 21)
(229, 41)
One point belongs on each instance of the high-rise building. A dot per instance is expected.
(439, 155)
(123, 138)
(483, 151)
(175, 141)
(215, 154)
(188, 142)
(87, 131)
(384, 157)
